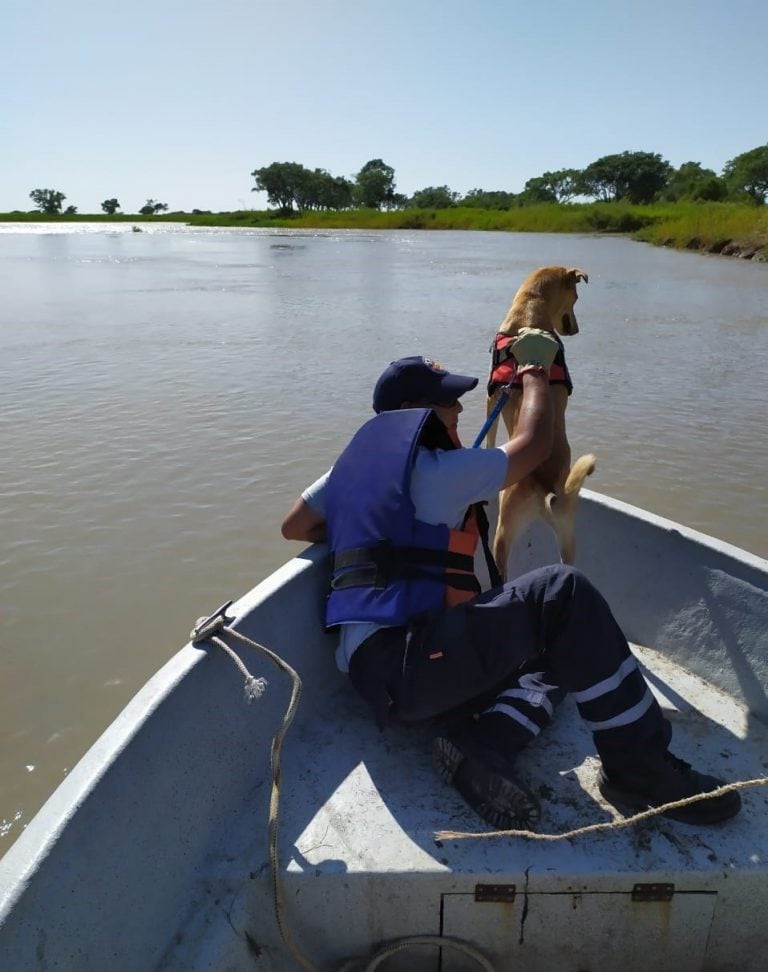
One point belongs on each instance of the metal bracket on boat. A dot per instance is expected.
(495, 892)
(205, 627)
(653, 892)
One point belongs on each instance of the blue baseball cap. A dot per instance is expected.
(418, 379)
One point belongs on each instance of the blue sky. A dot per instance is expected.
(180, 100)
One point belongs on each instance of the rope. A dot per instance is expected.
(210, 629)
(254, 688)
(206, 630)
(434, 940)
(608, 824)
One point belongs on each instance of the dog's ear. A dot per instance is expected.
(576, 275)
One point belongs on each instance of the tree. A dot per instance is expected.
(110, 206)
(47, 200)
(396, 201)
(713, 189)
(564, 184)
(318, 189)
(691, 181)
(434, 197)
(483, 199)
(70, 210)
(374, 184)
(289, 184)
(331, 192)
(306, 190)
(536, 190)
(152, 208)
(634, 176)
(748, 173)
(282, 182)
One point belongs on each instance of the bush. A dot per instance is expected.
(614, 219)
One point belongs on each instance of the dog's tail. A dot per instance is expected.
(559, 504)
(583, 467)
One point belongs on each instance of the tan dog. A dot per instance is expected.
(544, 300)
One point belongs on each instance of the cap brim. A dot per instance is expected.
(454, 386)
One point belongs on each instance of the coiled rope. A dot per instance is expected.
(210, 629)
(436, 941)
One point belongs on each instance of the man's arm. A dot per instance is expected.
(306, 518)
(532, 441)
(303, 523)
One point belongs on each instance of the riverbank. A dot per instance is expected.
(724, 228)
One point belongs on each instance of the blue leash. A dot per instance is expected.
(491, 418)
(493, 570)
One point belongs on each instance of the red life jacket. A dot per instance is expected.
(504, 366)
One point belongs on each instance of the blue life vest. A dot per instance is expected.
(388, 566)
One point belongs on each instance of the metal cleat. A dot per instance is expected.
(205, 627)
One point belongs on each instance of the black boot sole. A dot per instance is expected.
(504, 803)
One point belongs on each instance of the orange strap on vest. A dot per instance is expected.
(462, 541)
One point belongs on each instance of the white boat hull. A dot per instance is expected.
(153, 854)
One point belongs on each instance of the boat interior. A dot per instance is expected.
(177, 831)
(363, 818)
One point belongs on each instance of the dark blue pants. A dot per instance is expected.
(551, 627)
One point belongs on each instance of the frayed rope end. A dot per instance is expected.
(254, 688)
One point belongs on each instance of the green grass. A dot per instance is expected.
(706, 226)
(36, 217)
(544, 218)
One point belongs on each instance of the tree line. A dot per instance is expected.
(50, 201)
(634, 177)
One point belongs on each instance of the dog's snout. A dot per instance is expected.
(570, 327)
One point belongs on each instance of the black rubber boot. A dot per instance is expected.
(486, 780)
(665, 779)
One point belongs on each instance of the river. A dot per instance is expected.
(166, 394)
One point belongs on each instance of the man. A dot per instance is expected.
(421, 642)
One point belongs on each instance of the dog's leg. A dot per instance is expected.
(519, 505)
(561, 510)
(561, 517)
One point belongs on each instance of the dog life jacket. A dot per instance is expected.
(388, 566)
(504, 365)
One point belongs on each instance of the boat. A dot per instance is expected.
(177, 843)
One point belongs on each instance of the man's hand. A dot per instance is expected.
(534, 348)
